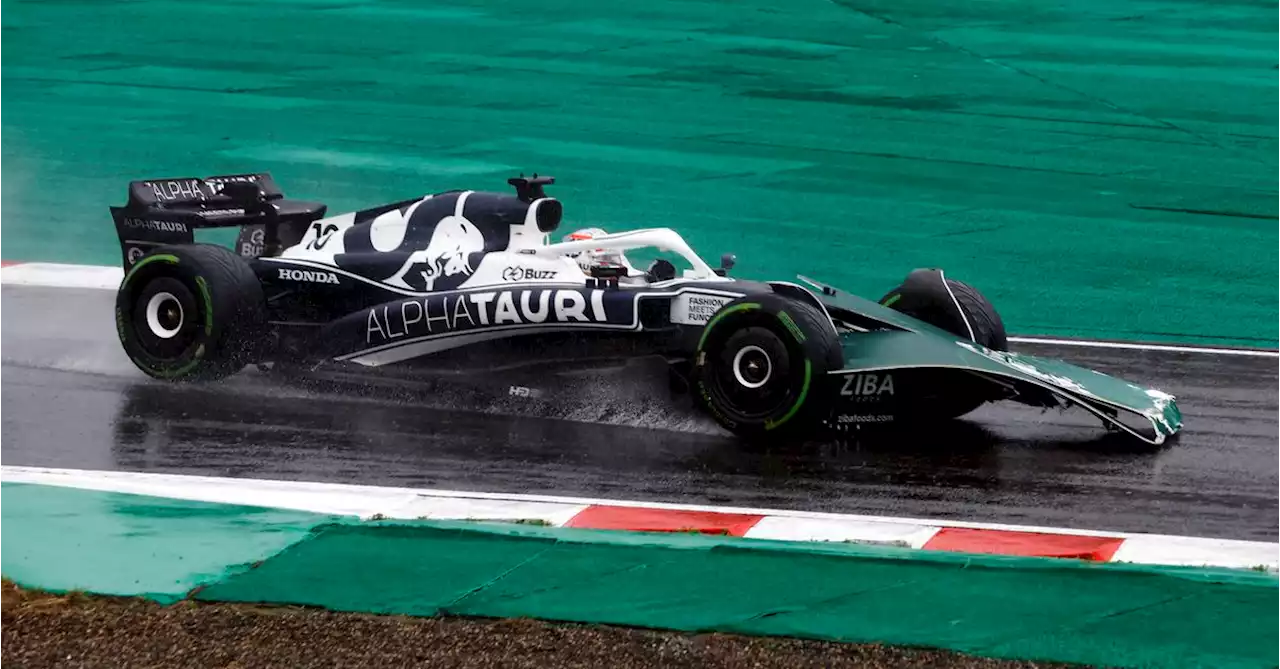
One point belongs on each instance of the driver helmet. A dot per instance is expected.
(602, 257)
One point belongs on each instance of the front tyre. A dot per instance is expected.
(958, 308)
(190, 312)
(954, 306)
(761, 366)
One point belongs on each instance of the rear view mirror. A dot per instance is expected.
(727, 261)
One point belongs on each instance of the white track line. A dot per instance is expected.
(1257, 353)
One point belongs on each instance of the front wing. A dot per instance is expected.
(1105, 396)
(908, 343)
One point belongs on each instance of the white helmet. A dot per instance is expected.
(595, 257)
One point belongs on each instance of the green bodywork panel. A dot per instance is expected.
(916, 344)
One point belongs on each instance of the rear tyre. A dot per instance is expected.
(761, 366)
(190, 313)
(960, 309)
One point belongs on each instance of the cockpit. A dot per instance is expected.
(606, 262)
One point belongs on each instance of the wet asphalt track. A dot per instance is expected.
(71, 399)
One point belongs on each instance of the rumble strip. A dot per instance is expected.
(409, 503)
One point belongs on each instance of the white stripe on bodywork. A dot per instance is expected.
(420, 346)
(963, 317)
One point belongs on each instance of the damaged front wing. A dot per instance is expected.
(1105, 396)
(912, 343)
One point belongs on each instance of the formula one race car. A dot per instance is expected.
(471, 282)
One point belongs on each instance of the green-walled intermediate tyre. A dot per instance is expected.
(761, 366)
(190, 313)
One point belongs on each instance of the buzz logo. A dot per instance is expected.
(308, 276)
(527, 274)
(867, 385)
(253, 248)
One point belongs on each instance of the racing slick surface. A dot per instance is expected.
(73, 400)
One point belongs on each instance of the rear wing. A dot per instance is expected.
(168, 211)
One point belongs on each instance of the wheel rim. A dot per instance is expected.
(749, 376)
(164, 315)
(165, 320)
(752, 367)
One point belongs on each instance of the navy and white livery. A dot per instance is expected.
(469, 284)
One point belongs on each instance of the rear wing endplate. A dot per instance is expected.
(168, 211)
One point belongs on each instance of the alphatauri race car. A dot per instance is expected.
(471, 282)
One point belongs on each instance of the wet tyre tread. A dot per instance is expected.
(236, 302)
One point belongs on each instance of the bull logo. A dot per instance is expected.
(324, 231)
(449, 259)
